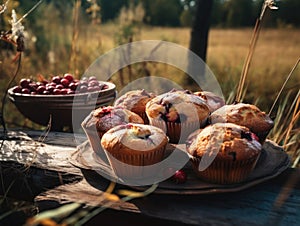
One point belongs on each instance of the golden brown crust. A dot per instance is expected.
(243, 114)
(134, 140)
(225, 140)
(177, 106)
(134, 100)
(213, 101)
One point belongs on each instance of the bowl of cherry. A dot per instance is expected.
(60, 101)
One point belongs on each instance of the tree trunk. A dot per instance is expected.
(199, 34)
(200, 28)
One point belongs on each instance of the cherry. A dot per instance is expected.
(50, 88)
(40, 89)
(32, 86)
(59, 86)
(52, 84)
(84, 79)
(56, 85)
(254, 137)
(92, 78)
(83, 83)
(63, 91)
(72, 86)
(17, 89)
(56, 91)
(179, 177)
(56, 79)
(83, 88)
(69, 77)
(25, 91)
(93, 83)
(25, 83)
(70, 91)
(65, 82)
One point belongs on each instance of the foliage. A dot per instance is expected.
(162, 12)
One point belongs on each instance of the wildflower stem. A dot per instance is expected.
(256, 30)
(5, 95)
(284, 84)
(26, 14)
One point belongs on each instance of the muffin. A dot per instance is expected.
(178, 113)
(132, 147)
(213, 101)
(245, 115)
(227, 152)
(135, 101)
(104, 118)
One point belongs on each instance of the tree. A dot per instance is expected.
(239, 13)
(199, 37)
(162, 12)
(200, 28)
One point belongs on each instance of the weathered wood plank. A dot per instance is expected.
(274, 202)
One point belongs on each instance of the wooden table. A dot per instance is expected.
(41, 173)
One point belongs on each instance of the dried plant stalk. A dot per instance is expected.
(267, 4)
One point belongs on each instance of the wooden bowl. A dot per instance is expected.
(63, 110)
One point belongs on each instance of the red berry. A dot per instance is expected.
(39, 83)
(17, 89)
(65, 82)
(64, 91)
(51, 84)
(93, 83)
(56, 91)
(85, 79)
(40, 89)
(46, 92)
(92, 78)
(24, 83)
(179, 177)
(25, 91)
(254, 137)
(56, 79)
(72, 86)
(69, 77)
(32, 86)
(83, 89)
(83, 83)
(50, 88)
(70, 91)
(59, 86)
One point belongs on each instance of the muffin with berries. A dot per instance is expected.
(247, 115)
(224, 153)
(134, 149)
(178, 113)
(135, 101)
(100, 120)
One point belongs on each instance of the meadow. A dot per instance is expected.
(276, 53)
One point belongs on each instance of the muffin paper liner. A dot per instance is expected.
(94, 138)
(138, 164)
(223, 171)
(177, 132)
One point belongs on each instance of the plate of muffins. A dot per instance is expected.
(224, 147)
